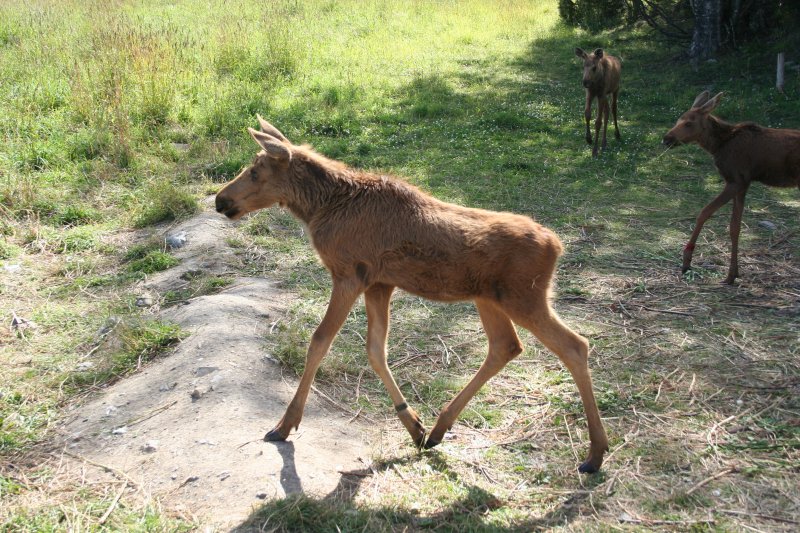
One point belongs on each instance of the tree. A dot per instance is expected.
(704, 27)
(706, 38)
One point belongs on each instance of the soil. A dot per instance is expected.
(187, 429)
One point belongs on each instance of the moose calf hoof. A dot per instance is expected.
(685, 269)
(588, 468)
(274, 436)
(430, 443)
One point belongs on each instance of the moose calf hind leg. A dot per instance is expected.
(573, 351)
(504, 345)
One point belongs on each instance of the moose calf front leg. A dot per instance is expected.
(587, 115)
(342, 298)
(727, 193)
(735, 227)
(376, 300)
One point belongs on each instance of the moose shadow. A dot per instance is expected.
(338, 510)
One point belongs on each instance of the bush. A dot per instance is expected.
(164, 201)
(593, 15)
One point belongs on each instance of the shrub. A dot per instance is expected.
(165, 201)
(593, 15)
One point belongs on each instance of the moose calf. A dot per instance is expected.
(375, 233)
(743, 153)
(601, 74)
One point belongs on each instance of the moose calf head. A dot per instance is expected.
(592, 66)
(694, 124)
(263, 183)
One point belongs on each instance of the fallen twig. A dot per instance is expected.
(758, 515)
(708, 480)
(113, 504)
(153, 413)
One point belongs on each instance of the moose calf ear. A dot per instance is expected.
(274, 148)
(701, 99)
(709, 106)
(580, 53)
(598, 53)
(269, 129)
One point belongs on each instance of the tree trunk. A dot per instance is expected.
(706, 35)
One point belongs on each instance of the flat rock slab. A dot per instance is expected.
(188, 428)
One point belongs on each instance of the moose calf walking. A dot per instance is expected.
(375, 233)
(743, 153)
(601, 74)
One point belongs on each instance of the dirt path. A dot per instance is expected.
(187, 429)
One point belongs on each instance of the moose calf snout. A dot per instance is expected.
(222, 203)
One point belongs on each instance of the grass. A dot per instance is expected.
(120, 117)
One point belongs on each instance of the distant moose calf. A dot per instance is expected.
(601, 78)
(743, 153)
(375, 233)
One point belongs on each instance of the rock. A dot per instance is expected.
(191, 274)
(144, 301)
(20, 324)
(110, 324)
(176, 240)
(261, 495)
(766, 224)
(86, 365)
(12, 269)
(120, 430)
(196, 395)
(205, 370)
(150, 446)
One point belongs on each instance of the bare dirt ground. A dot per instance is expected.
(187, 429)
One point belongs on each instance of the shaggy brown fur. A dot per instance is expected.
(375, 233)
(601, 73)
(743, 153)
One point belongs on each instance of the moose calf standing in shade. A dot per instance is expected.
(743, 153)
(601, 74)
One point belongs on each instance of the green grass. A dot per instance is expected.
(115, 117)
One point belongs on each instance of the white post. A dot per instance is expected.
(779, 81)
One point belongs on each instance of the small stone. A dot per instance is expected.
(261, 495)
(144, 301)
(12, 269)
(86, 365)
(176, 240)
(766, 224)
(150, 446)
(191, 479)
(205, 370)
(174, 476)
(196, 395)
(120, 430)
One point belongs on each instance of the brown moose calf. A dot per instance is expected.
(375, 233)
(601, 73)
(743, 153)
